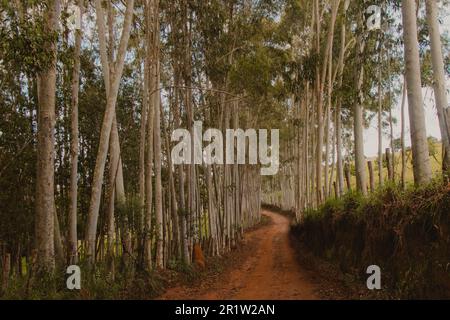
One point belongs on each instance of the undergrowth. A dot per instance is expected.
(405, 232)
(125, 283)
(96, 284)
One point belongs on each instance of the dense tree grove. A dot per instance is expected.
(91, 91)
(351, 72)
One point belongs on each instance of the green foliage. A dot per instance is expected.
(24, 43)
(253, 72)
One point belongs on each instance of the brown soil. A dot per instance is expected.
(266, 269)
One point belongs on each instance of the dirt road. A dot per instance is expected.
(269, 271)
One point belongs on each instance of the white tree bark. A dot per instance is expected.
(94, 207)
(116, 182)
(421, 158)
(358, 113)
(402, 134)
(155, 105)
(148, 191)
(380, 125)
(72, 237)
(329, 67)
(339, 165)
(142, 139)
(440, 91)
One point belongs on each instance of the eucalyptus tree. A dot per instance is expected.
(45, 197)
(440, 91)
(155, 105)
(112, 81)
(74, 146)
(419, 143)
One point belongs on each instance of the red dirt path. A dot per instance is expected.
(268, 272)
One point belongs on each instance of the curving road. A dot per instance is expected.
(270, 272)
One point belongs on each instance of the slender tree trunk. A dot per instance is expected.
(149, 191)
(59, 247)
(158, 185)
(173, 197)
(91, 230)
(150, 136)
(440, 91)
(116, 174)
(319, 101)
(117, 188)
(421, 157)
(142, 139)
(391, 126)
(358, 128)
(402, 138)
(371, 178)
(157, 140)
(110, 219)
(236, 209)
(182, 208)
(389, 164)
(45, 198)
(380, 125)
(347, 177)
(339, 165)
(329, 66)
(333, 163)
(306, 143)
(72, 242)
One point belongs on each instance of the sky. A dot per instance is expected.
(432, 124)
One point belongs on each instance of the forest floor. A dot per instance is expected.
(267, 267)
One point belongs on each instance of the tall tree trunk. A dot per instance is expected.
(191, 169)
(157, 139)
(391, 127)
(149, 191)
(402, 137)
(150, 136)
(116, 170)
(178, 54)
(91, 229)
(142, 137)
(306, 142)
(114, 188)
(358, 112)
(440, 91)
(158, 186)
(380, 126)
(173, 197)
(72, 242)
(329, 66)
(182, 207)
(45, 198)
(110, 218)
(421, 157)
(339, 165)
(319, 101)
